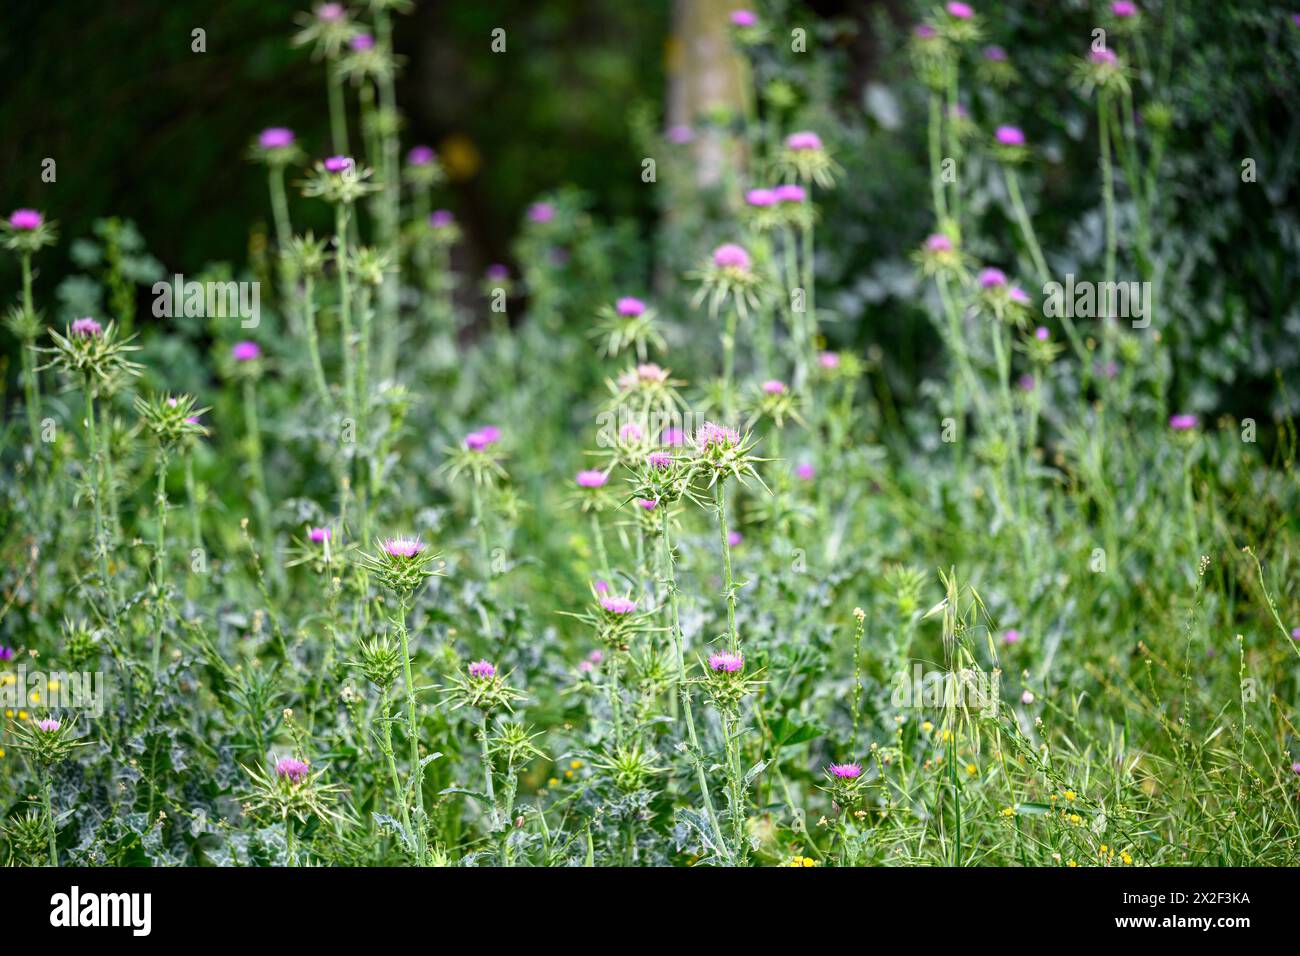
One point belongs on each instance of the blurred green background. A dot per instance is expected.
(142, 127)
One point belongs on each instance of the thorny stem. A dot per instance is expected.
(412, 731)
(160, 562)
(684, 689)
(728, 584)
(49, 820)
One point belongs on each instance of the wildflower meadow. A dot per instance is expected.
(907, 479)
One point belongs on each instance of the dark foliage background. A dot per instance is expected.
(144, 128)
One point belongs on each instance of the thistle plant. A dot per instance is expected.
(628, 325)
(47, 742)
(289, 791)
(171, 419)
(25, 233)
(403, 565)
(92, 356)
(729, 276)
(327, 29)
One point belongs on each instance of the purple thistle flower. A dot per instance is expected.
(318, 535)
(596, 656)
(618, 605)
(26, 219)
(743, 18)
(337, 164)
(601, 586)
(275, 137)
(938, 242)
(629, 306)
(803, 140)
(731, 256)
(1124, 8)
(87, 327)
(1011, 636)
(1009, 135)
(477, 440)
(497, 272)
(1018, 295)
(805, 471)
(845, 771)
(726, 662)
(482, 670)
(193, 420)
(7, 653)
(591, 479)
(541, 212)
(291, 769)
(774, 387)
(49, 725)
(441, 218)
(245, 351)
(1026, 382)
(586, 666)
(491, 433)
(649, 504)
(790, 192)
(995, 54)
(680, 135)
(1042, 334)
(710, 434)
(659, 460)
(992, 278)
(1295, 636)
(761, 198)
(1104, 57)
(673, 438)
(630, 433)
(829, 360)
(329, 12)
(362, 42)
(1182, 423)
(403, 547)
(960, 11)
(734, 538)
(924, 31)
(420, 156)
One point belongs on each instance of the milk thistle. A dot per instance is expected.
(26, 232)
(171, 420)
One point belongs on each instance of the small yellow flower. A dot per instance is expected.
(971, 769)
(568, 774)
(1069, 795)
(1075, 818)
(7, 679)
(22, 715)
(1125, 857)
(1008, 811)
(576, 764)
(2, 753)
(1070, 863)
(35, 697)
(809, 861)
(927, 726)
(54, 685)
(553, 782)
(9, 713)
(1104, 850)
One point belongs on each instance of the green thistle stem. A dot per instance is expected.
(684, 688)
(412, 731)
(728, 584)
